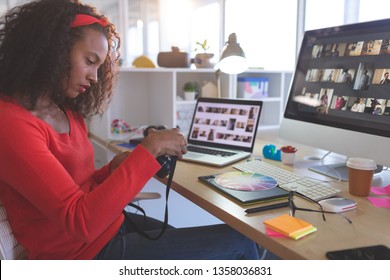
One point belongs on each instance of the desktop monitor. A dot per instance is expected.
(339, 98)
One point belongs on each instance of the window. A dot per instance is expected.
(7, 4)
(206, 26)
(266, 30)
(320, 14)
(336, 12)
(373, 9)
(184, 22)
(142, 28)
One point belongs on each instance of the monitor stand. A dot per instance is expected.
(338, 171)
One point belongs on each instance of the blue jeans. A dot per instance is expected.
(216, 242)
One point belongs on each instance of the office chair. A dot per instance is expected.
(10, 249)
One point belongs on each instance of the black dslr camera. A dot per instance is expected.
(165, 161)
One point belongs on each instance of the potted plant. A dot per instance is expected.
(203, 59)
(289, 149)
(288, 154)
(191, 90)
(204, 46)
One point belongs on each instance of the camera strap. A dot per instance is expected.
(165, 224)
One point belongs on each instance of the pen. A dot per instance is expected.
(267, 207)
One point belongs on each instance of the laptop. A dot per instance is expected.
(222, 131)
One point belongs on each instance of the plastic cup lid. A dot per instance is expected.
(361, 163)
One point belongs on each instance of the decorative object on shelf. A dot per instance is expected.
(143, 62)
(209, 89)
(191, 90)
(233, 59)
(204, 46)
(252, 87)
(203, 59)
(288, 154)
(174, 59)
(122, 131)
(119, 126)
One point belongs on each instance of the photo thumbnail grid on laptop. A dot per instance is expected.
(225, 123)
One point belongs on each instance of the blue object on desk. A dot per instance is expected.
(126, 145)
(270, 152)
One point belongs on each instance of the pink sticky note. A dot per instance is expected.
(381, 190)
(383, 202)
(273, 233)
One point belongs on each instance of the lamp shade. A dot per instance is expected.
(233, 59)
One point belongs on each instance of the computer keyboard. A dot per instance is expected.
(289, 181)
(209, 151)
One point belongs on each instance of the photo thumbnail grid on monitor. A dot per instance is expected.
(346, 71)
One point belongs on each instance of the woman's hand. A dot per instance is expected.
(165, 142)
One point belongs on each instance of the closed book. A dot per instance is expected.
(292, 227)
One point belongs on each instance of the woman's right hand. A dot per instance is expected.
(165, 142)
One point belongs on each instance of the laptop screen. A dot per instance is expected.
(225, 123)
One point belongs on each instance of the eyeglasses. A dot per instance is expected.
(293, 207)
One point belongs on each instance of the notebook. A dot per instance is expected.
(246, 188)
(227, 127)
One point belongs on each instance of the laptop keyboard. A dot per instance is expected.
(289, 181)
(208, 151)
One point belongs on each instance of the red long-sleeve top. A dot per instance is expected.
(58, 205)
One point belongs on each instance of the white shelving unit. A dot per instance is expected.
(274, 103)
(145, 96)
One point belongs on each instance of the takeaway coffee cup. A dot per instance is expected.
(360, 174)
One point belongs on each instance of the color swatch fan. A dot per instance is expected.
(243, 181)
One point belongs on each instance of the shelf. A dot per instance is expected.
(185, 102)
(149, 96)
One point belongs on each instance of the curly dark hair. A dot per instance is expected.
(35, 46)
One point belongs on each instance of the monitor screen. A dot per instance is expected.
(340, 95)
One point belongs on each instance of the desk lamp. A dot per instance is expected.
(232, 60)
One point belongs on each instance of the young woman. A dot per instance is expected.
(58, 64)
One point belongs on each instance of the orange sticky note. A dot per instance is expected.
(290, 226)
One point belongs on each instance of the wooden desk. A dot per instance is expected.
(370, 225)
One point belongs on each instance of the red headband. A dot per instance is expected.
(83, 20)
